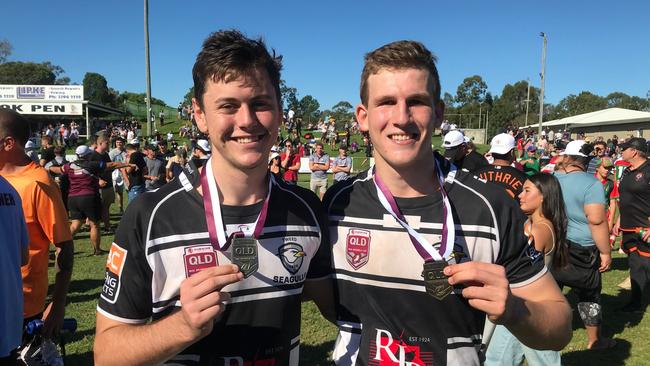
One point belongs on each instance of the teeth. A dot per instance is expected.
(400, 137)
(245, 140)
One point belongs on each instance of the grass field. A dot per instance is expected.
(632, 331)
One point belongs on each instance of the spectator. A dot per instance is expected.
(274, 165)
(60, 179)
(290, 162)
(457, 151)
(319, 164)
(201, 152)
(47, 150)
(501, 171)
(530, 162)
(587, 237)
(600, 151)
(342, 165)
(541, 200)
(155, 177)
(175, 164)
(106, 190)
(135, 172)
(118, 154)
(163, 153)
(47, 223)
(14, 254)
(634, 219)
(30, 150)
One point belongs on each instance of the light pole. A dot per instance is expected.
(541, 94)
(146, 52)
(527, 100)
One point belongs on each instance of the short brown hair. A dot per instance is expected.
(400, 55)
(227, 55)
(15, 125)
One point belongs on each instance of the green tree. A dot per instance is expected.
(289, 97)
(5, 50)
(471, 91)
(96, 89)
(27, 73)
(309, 108)
(187, 99)
(342, 112)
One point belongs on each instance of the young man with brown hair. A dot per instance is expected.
(209, 269)
(431, 251)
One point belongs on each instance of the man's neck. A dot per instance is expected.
(415, 181)
(637, 162)
(238, 187)
(501, 162)
(14, 163)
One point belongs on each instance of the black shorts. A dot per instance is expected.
(82, 207)
(581, 274)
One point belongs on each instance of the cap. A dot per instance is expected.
(273, 156)
(531, 148)
(502, 144)
(637, 143)
(82, 150)
(573, 148)
(605, 162)
(30, 145)
(203, 145)
(453, 139)
(135, 142)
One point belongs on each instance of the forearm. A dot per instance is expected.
(63, 272)
(544, 324)
(147, 344)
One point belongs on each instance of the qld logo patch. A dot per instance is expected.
(291, 255)
(357, 247)
(114, 267)
(198, 258)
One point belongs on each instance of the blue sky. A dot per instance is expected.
(599, 46)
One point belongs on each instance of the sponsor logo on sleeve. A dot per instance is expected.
(114, 267)
(357, 247)
(198, 258)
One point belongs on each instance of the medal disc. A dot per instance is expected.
(244, 255)
(435, 280)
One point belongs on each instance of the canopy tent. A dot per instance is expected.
(609, 116)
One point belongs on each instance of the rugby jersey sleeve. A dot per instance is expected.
(522, 262)
(126, 294)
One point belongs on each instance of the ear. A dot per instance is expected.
(361, 112)
(199, 117)
(439, 113)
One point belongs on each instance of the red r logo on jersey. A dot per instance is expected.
(357, 247)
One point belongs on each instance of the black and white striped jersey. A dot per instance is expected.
(163, 239)
(384, 315)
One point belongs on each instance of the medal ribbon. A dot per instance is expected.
(426, 250)
(212, 207)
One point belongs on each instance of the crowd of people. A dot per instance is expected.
(427, 258)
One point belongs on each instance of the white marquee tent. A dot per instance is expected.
(605, 117)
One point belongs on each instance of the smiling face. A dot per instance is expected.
(530, 199)
(241, 118)
(400, 116)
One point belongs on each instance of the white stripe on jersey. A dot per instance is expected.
(120, 319)
(266, 295)
(346, 341)
(385, 283)
(476, 338)
(179, 237)
(389, 221)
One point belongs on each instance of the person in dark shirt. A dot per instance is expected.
(135, 172)
(634, 192)
(458, 151)
(106, 191)
(164, 154)
(501, 171)
(47, 151)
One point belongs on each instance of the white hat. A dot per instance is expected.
(135, 142)
(454, 138)
(273, 156)
(502, 143)
(204, 145)
(573, 148)
(30, 145)
(82, 150)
